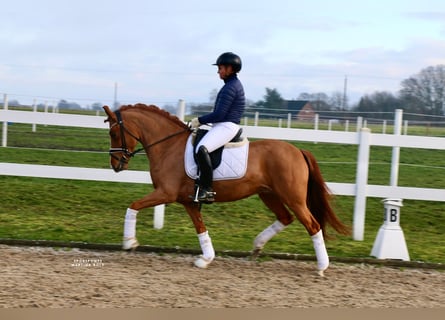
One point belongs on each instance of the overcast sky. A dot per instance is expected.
(162, 51)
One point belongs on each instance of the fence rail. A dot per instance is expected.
(360, 189)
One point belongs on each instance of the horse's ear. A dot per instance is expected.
(109, 113)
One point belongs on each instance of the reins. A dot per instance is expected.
(124, 148)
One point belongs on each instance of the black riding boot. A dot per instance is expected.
(205, 193)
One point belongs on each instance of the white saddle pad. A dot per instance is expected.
(233, 163)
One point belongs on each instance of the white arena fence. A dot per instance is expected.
(360, 189)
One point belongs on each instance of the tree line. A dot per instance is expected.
(422, 93)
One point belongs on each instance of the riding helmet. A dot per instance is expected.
(231, 59)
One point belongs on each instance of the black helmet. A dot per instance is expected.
(231, 59)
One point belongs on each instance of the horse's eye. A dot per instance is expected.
(113, 135)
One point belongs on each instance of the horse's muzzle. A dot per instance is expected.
(122, 161)
(120, 167)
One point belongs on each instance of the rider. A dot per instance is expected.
(225, 119)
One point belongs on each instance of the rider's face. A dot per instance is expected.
(224, 71)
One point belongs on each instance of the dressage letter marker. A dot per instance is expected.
(390, 242)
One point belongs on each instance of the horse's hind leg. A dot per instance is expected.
(306, 218)
(284, 218)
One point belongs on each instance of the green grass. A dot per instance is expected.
(71, 210)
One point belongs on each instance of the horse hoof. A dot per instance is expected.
(323, 265)
(202, 262)
(130, 244)
(320, 273)
(255, 253)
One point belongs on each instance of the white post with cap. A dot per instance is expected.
(390, 242)
(5, 123)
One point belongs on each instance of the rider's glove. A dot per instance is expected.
(194, 123)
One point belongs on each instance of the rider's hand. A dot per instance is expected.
(194, 123)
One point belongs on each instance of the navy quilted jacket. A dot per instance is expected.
(230, 103)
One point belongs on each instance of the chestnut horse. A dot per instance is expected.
(287, 180)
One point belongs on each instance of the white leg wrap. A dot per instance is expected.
(268, 234)
(130, 241)
(320, 251)
(208, 253)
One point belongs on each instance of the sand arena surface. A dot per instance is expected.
(45, 277)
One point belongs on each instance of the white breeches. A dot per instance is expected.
(220, 134)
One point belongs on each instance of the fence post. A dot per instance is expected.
(34, 109)
(396, 150)
(5, 123)
(180, 110)
(316, 119)
(359, 123)
(405, 127)
(289, 120)
(361, 184)
(45, 109)
(158, 216)
(257, 114)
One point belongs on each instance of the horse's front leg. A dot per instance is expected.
(155, 198)
(129, 241)
(208, 253)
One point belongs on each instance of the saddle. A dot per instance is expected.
(215, 156)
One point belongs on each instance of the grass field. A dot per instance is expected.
(71, 210)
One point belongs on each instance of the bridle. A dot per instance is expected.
(126, 153)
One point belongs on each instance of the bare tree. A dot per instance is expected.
(425, 91)
(336, 101)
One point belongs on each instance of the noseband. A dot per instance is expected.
(126, 153)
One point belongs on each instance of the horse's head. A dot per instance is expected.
(123, 140)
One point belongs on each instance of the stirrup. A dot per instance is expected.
(207, 197)
(204, 196)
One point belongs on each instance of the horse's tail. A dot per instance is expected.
(319, 198)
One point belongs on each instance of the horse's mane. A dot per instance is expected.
(155, 109)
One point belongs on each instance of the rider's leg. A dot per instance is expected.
(206, 175)
(218, 136)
